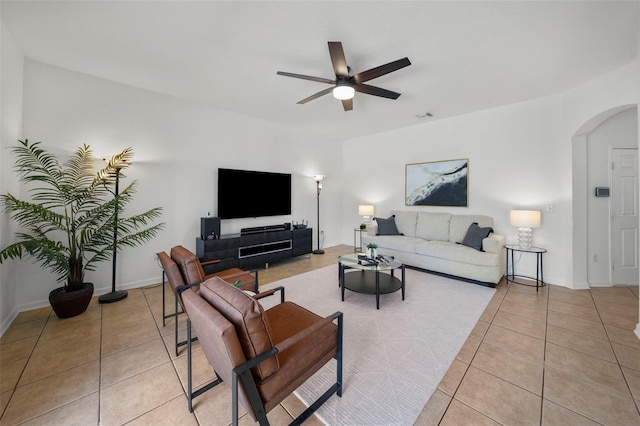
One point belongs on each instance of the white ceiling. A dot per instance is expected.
(466, 56)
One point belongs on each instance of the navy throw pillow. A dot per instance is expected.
(475, 235)
(387, 226)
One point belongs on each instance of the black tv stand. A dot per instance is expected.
(264, 229)
(254, 247)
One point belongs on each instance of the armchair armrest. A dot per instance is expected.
(494, 243)
(307, 331)
(271, 292)
(209, 262)
(231, 277)
(185, 287)
(250, 363)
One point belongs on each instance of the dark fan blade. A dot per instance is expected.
(347, 104)
(376, 91)
(316, 95)
(376, 72)
(337, 59)
(307, 77)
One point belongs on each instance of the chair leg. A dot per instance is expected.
(234, 399)
(252, 395)
(189, 377)
(177, 316)
(337, 386)
(164, 316)
(176, 322)
(339, 357)
(190, 392)
(316, 404)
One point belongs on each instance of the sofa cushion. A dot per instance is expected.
(406, 222)
(433, 226)
(396, 242)
(475, 235)
(460, 223)
(493, 243)
(248, 317)
(457, 253)
(387, 226)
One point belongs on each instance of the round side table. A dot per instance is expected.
(538, 251)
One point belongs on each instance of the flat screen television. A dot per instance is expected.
(246, 193)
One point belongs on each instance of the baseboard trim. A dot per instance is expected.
(45, 302)
(7, 322)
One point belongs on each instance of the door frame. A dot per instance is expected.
(580, 193)
(613, 148)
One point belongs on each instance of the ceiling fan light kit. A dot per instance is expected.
(345, 85)
(343, 91)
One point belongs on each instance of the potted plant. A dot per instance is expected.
(70, 222)
(372, 250)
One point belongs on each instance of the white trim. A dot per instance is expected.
(600, 284)
(42, 303)
(7, 322)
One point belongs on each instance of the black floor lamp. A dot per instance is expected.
(115, 296)
(318, 179)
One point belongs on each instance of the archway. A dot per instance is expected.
(580, 193)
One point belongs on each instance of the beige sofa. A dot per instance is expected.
(432, 241)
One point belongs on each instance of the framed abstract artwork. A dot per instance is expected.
(437, 183)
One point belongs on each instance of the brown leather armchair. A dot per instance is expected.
(172, 273)
(190, 273)
(263, 356)
(192, 270)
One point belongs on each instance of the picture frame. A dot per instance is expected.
(437, 183)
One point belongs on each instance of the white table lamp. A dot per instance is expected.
(366, 211)
(524, 220)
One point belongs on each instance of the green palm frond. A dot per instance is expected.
(48, 253)
(68, 226)
(32, 216)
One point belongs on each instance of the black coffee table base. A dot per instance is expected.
(370, 282)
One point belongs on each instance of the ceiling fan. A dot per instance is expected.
(345, 84)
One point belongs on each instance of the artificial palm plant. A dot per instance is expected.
(69, 224)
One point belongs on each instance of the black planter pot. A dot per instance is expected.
(68, 304)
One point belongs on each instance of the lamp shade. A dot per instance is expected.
(525, 218)
(318, 178)
(343, 91)
(365, 210)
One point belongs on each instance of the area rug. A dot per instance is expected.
(394, 357)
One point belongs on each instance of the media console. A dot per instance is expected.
(254, 247)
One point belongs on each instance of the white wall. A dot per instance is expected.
(637, 330)
(178, 147)
(509, 167)
(520, 156)
(11, 70)
(619, 131)
(585, 108)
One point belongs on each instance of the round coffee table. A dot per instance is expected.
(358, 275)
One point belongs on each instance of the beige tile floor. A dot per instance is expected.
(555, 357)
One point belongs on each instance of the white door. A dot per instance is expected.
(624, 216)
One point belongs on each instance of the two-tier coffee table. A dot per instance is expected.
(370, 279)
